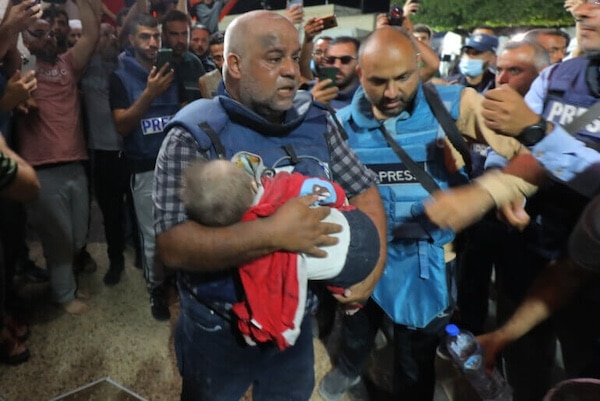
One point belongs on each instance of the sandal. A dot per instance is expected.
(19, 330)
(12, 351)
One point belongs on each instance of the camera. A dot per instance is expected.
(396, 15)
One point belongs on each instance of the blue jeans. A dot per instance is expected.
(217, 365)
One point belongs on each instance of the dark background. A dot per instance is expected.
(366, 6)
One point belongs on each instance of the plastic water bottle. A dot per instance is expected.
(467, 354)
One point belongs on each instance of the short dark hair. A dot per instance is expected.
(52, 12)
(175, 15)
(216, 38)
(346, 39)
(141, 20)
(120, 17)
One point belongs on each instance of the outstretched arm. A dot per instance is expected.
(89, 13)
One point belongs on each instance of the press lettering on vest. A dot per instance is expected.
(394, 173)
(565, 113)
(155, 125)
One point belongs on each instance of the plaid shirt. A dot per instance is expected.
(179, 149)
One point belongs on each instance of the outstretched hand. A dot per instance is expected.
(459, 207)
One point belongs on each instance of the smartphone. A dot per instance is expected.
(164, 56)
(328, 73)
(329, 22)
(396, 15)
(292, 2)
(28, 64)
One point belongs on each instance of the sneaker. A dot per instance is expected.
(85, 263)
(335, 384)
(113, 275)
(159, 305)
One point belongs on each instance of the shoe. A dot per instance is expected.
(33, 273)
(113, 275)
(12, 351)
(19, 330)
(158, 305)
(335, 384)
(85, 263)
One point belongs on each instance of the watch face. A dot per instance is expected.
(533, 134)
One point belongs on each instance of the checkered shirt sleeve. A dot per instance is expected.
(346, 169)
(179, 150)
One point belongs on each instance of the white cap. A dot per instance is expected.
(75, 24)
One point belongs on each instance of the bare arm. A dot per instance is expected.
(106, 11)
(313, 27)
(25, 187)
(369, 202)
(89, 13)
(294, 227)
(553, 289)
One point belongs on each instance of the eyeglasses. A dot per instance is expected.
(318, 53)
(41, 34)
(553, 50)
(343, 59)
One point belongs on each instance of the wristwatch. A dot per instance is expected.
(533, 134)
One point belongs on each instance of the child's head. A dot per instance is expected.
(216, 192)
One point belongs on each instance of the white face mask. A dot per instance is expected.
(471, 67)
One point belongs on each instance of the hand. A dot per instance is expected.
(322, 92)
(459, 207)
(410, 8)
(21, 16)
(504, 110)
(297, 227)
(382, 20)
(514, 214)
(312, 28)
(355, 295)
(160, 80)
(28, 106)
(18, 89)
(492, 344)
(295, 14)
(571, 5)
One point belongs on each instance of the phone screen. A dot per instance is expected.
(292, 2)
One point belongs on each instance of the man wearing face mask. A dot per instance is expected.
(478, 54)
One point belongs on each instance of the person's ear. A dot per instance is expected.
(234, 65)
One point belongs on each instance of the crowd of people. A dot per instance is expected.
(129, 104)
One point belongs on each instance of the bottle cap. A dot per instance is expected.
(452, 330)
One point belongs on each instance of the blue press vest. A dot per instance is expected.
(569, 96)
(304, 133)
(144, 142)
(413, 289)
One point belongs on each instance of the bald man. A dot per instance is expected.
(261, 113)
(415, 290)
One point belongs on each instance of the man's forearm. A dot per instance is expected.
(126, 120)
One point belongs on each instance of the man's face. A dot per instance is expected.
(270, 71)
(108, 45)
(556, 46)
(423, 38)
(177, 36)
(41, 40)
(319, 49)
(145, 42)
(344, 57)
(516, 68)
(199, 41)
(216, 54)
(74, 35)
(588, 15)
(390, 81)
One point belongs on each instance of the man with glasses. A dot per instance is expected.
(318, 53)
(341, 53)
(52, 141)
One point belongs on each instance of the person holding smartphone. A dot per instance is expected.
(143, 98)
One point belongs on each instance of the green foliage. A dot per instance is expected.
(452, 15)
